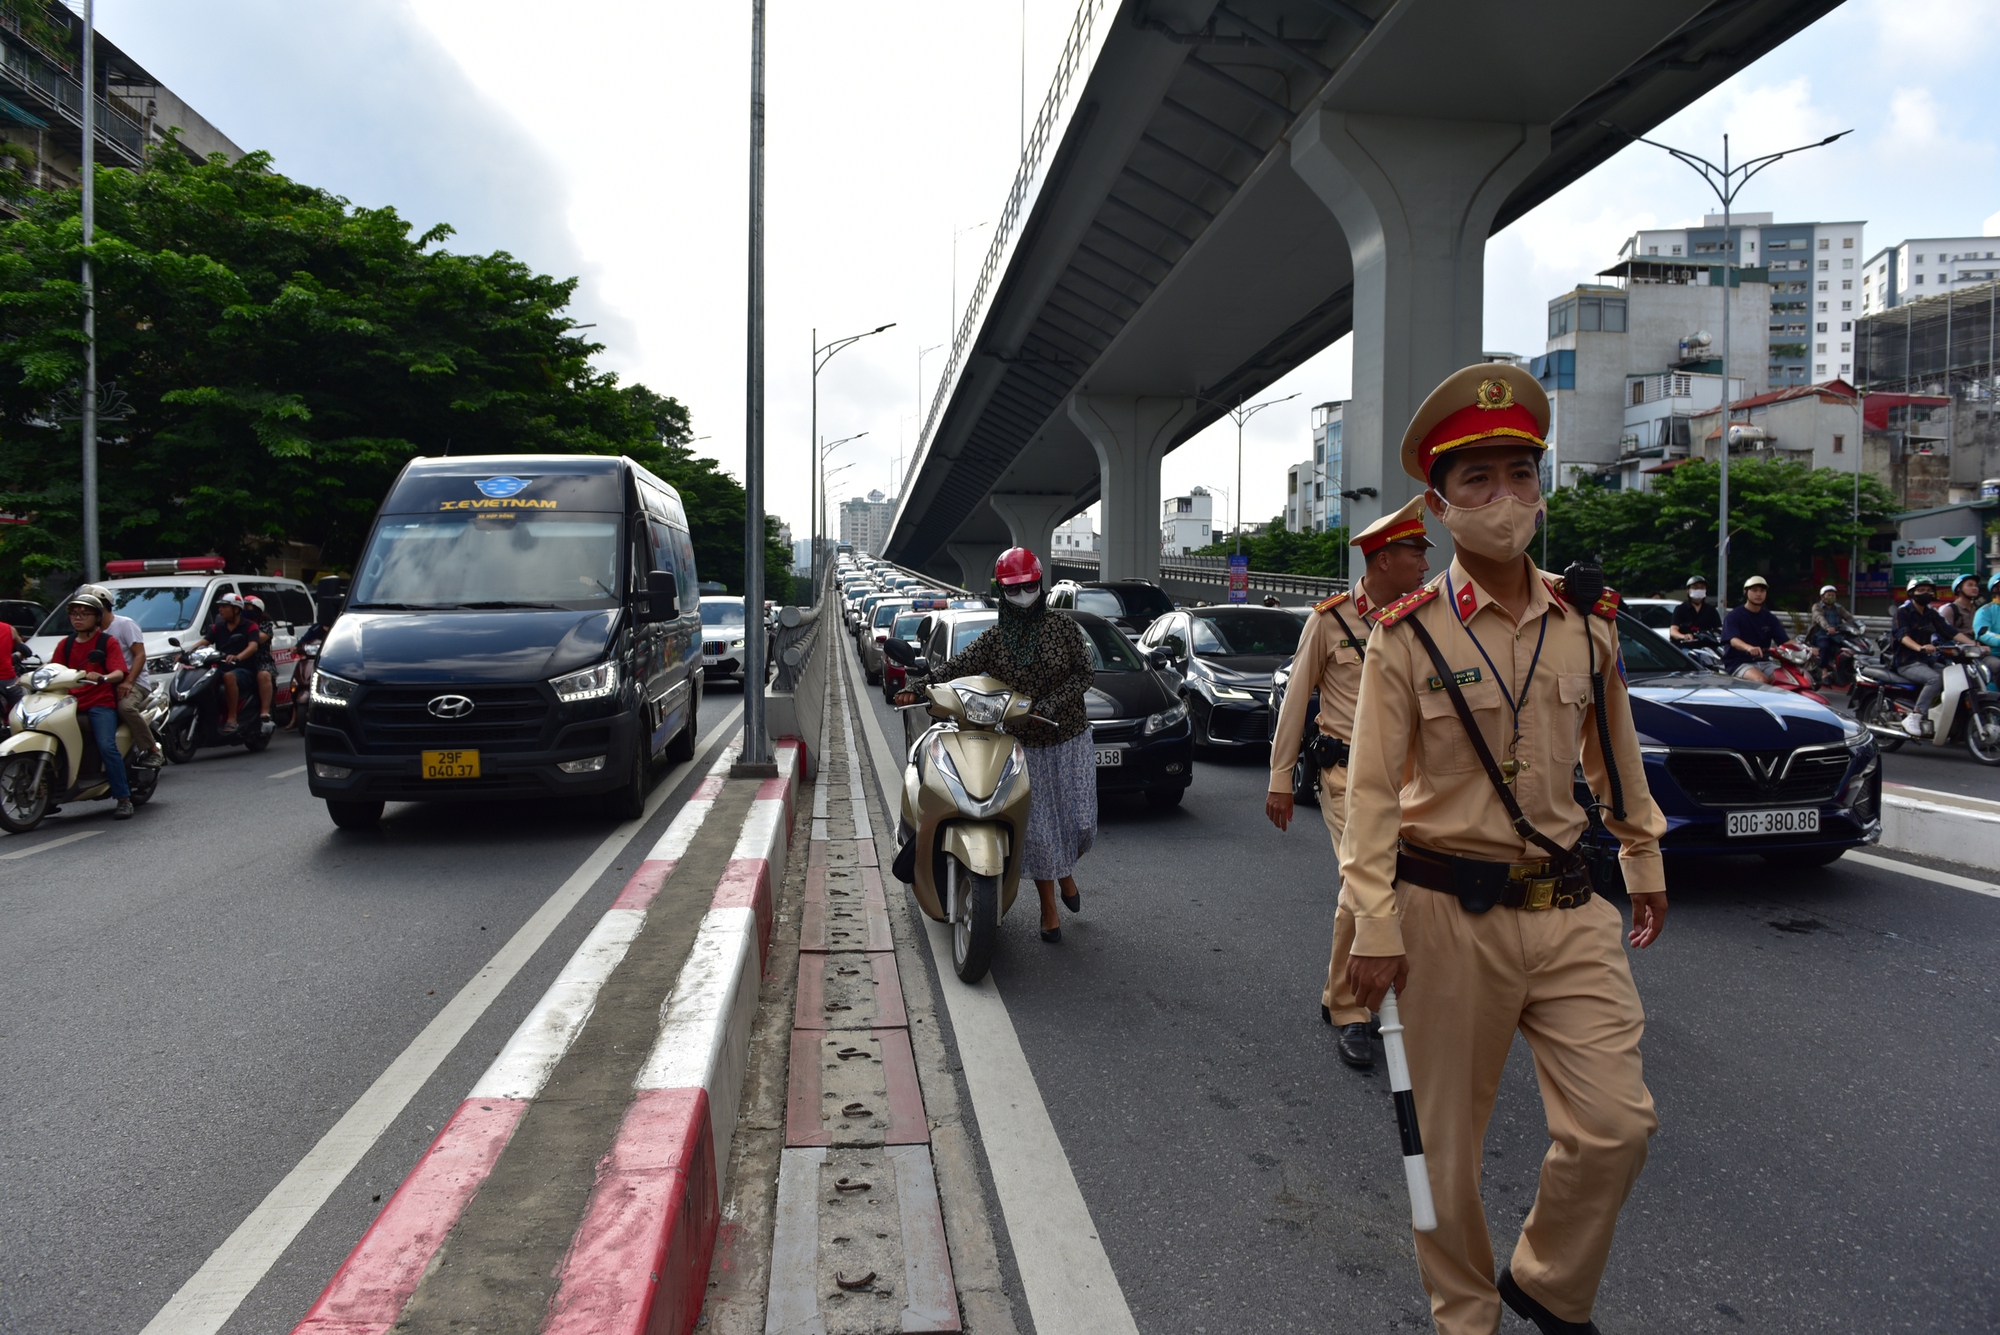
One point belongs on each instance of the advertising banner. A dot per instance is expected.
(1943, 560)
(1239, 578)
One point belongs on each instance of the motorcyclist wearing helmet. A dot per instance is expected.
(1986, 621)
(1963, 604)
(1918, 633)
(90, 647)
(1830, 622)
(236, 637)
(1695, 615)
(131, 691)
(263, 663)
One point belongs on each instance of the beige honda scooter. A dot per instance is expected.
(49, 758)
(965, 811)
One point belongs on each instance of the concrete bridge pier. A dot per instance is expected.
(1031, 518)
(975, 563)
(1416, 198)
(1131, 434)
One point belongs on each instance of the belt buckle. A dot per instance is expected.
(1540, 891)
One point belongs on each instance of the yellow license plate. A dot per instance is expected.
(451, 764)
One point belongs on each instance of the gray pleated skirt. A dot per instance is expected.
(1062, 806)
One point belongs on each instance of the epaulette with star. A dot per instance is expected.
(1329, 604)
(1406, 604)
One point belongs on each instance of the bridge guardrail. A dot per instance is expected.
(1214, 570)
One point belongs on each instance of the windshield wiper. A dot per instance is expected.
(500, 603)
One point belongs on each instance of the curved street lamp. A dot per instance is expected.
(820, 357)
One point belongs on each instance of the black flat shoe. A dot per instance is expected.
(1325, 1015)
(1355, 1048)
(1052, 935)
(1074, 903)
(1529, 1310)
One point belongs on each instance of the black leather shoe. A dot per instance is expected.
(1052, 935)
(1074, 903)
(1354, 1047)
(1529, 1310)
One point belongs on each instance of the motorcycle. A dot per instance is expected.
(1790, 667)
(51, 758)
(1841, 656)
(1967, 712)
(964, 819)
(1705, 648)
(196, 703)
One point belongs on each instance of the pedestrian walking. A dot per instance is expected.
(1481, 694)
(1043, 656)
(1331, 649)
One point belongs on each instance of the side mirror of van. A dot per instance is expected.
(662, 595)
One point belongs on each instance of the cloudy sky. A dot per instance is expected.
(607, 139)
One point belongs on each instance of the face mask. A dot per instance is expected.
(1696, 595)
(1022, 597)
(1921, 599)
(1499, 530)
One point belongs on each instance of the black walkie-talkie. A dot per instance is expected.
(1583, 585)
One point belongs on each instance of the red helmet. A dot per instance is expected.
(1017, 565)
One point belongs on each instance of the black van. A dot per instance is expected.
(518, 626)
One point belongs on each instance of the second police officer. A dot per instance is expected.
(1486, 688)
(1331, 649)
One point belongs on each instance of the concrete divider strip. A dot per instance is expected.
(639, 1261)
(367, 1293)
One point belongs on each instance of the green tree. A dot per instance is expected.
(1278, 549)
(280, 355)
(1781, 516)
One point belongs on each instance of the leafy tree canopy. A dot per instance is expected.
(1279, 549)
(280, 355)
(1781, 516)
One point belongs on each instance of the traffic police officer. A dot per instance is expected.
(1330, 652)
(1466, 897)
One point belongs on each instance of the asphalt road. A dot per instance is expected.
(1822, 1048)
(1947, 769)
(190, 999)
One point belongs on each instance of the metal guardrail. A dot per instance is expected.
(1215, 570)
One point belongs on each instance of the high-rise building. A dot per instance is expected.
(864, 522)
(41, 100)
(1929, 267)
(1300, 479)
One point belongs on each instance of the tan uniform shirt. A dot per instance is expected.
(1449, 805)
(1329, 657)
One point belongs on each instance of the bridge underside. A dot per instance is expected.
(1192, 241)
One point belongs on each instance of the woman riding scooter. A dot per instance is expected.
(1044, 657)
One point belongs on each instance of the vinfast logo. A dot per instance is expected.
(500, 488)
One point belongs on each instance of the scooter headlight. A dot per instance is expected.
(331, 690)
(43, 679)
(985, 708)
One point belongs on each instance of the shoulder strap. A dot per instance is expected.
(1352, 638)
(1522, 826)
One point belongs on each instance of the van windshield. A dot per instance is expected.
(489, 560)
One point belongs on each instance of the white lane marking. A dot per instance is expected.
(523, 1066)
(53, 843)
(1938, 797)
(287, 773)
(1925, 874)
(1068, 1279)
(215, 1291)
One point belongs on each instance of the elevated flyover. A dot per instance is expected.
(1215, 192)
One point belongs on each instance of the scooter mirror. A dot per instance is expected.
(174, 640)
(901, 652)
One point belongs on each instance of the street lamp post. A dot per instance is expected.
(1239, 415)
(1727, 182)
(820, 357)
(957, 232)
(824, 451)
(88, 408)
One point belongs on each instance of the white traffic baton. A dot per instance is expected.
(1423, 1212)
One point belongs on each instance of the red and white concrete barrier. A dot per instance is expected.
(367, 1294)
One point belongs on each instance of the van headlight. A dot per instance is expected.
(328, 689)
(1166, 718)
(593, 683)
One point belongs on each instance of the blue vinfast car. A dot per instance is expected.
(1739, 768)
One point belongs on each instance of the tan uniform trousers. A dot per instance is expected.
(1561, 978)
(129, 700)
(1338, 997)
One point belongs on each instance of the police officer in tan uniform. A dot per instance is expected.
(1330, 652)
(1466, 895)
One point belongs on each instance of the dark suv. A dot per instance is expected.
(1129, 604)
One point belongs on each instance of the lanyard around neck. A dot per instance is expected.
(1499, 680)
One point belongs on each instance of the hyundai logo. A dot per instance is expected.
(500, 488)
(450, 706)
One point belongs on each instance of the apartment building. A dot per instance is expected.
(1929, 267)
(1187, 522)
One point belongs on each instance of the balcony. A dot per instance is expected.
(48, 88)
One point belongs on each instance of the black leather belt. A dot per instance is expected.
(1480, 886)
